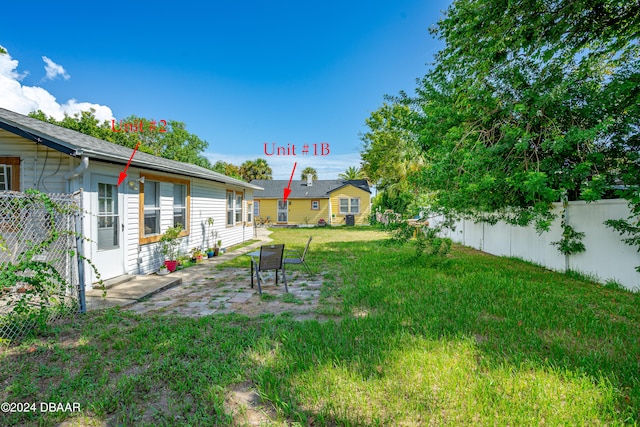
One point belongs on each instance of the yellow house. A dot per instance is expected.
(337, 202)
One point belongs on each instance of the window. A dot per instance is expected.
(5, 177)
(315, 205)
(355, 206)
(9, 174)
(164, 202)
(107, 216)
(249, 212)
(179, 205)
(239, 198)
(230, 210)
(344, 206)
(349, 206)
(151, 208)
(234, 208)
(256, 208)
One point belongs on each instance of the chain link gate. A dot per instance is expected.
(39, 280)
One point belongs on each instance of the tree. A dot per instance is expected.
(308, 171)
(227, 169)
(168, 139)
(258, 169)
(351, 173)
(530, 102)
(390, 153)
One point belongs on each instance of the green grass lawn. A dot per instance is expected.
(471, 339)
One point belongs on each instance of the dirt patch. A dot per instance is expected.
(247, 408)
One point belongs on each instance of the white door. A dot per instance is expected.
(283, 211)
(107, 228)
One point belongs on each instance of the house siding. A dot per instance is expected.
(207, 200)
(40, 167)
(299, 210)
(138, 261)
(268, 208)
(349, 191)
(44, 169)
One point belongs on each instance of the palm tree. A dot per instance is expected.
(258, 169)
(263, 170)
(352, 173)
(309, 171)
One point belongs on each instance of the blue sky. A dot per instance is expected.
(239, 74)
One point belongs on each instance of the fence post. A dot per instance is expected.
(565, 214)
(80, 256)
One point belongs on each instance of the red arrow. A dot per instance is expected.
(123, 174)
(287, 190)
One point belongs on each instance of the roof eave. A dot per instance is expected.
(72, 150)
(38, 138)
(164, 168)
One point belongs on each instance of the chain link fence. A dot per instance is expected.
(38, 260)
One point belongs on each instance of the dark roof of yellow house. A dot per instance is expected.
(319, 188)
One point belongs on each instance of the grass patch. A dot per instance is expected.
(474, 340)
(267, 297)
(291, 299)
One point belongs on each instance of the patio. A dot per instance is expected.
(229, 290)
(206, 289)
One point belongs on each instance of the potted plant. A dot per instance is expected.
(196, 254)
(214, 235)
(216, 248)
(163, 271)
(169, 246)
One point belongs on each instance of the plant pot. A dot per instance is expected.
(211, 254)
(163, 271)
(171, 265)
(216, 251)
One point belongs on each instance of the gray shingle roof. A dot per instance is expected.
(320, 189)
(78, 144)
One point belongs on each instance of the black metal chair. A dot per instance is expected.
(299, 257)
(271, 258)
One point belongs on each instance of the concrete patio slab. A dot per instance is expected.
(130, 289)
(204, 290)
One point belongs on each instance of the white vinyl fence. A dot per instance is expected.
(606, 257)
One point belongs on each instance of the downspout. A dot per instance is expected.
(80, 256)
(35, 168)
(79, 170)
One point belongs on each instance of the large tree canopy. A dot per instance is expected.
(228, 169)
(389, 154)
(170, 140)
(529, 102)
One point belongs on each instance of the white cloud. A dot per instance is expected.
(23, 99)
(328, 167)
(53, 70)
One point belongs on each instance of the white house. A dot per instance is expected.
(123, 223)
